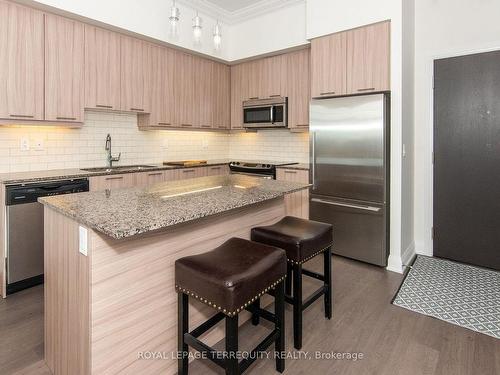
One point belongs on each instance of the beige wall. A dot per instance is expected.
(77, 148)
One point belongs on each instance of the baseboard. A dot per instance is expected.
(408, 254)
(394, 264)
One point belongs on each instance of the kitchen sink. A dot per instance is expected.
(119, 168)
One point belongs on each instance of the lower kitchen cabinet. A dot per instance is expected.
(116, 181)
(217, 170)
(296, 204)
(185, 173)
(149, 178)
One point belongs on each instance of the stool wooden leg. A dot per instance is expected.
(328, 282)
(279, 312)
(297, 306)
(256, 317)
(232, 345)
(288, 289)
(183, 327)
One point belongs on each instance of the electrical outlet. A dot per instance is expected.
(165, 143)
(25, 144)
(204, 143)
(38, 145)
(83, 240)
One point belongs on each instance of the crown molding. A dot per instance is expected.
(230, 18)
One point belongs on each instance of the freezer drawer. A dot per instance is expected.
(359, 229)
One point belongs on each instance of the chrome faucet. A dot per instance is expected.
(111, 158)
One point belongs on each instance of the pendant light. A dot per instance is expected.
(174, 19)
(197, 28)
(217, 36)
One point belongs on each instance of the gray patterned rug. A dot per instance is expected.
(456, 293)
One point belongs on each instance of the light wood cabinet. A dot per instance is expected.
(204, 100)
(221, 113)
(275, 76)
(238, 95)
(163, 100)
(136, 69)
(298, 88)
(117, 181)
(184, 90)
(21, 63)
(64, 72)
(368, 58)
(102, 68)
(296, 204)
(328, 65)
(217, 170)
(144, 179)
(185, 173)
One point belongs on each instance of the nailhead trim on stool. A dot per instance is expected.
(310, 257)
(237, 311)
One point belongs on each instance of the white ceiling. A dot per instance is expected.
(233, 5)
(233, 11)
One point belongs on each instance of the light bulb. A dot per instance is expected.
(217, 37)
(197, 29)
(174, 19)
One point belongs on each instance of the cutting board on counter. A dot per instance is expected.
(185, 163)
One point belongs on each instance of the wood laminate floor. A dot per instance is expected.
(392, 340)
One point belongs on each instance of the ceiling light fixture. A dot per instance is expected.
(174, 18)
(197, 28)
(217, 36)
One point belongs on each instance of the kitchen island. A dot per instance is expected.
(110, 303)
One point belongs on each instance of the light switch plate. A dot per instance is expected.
(83, 240)
(25, 144)
(204, 143)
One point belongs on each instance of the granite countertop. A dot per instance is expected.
(298, 166)
(123, 213)
(63, 174)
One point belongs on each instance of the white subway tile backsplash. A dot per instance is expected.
(77, 148)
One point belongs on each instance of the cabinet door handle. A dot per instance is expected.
(114, 178)
(186, 125)
(367, 89)
(103, 106)
(222, 127)
(165, 123)
(254, 97)
(155, 174)
(291, 172)
(215, 168)
(188, 171)
(302, 125)
(206, 126)
(22, 116)
(327, 93)
(66, 118)
(274, 96)
(137, 109)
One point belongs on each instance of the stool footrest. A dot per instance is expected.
(206, 326)
(211, 354)
(313, 297)
(270, 317)
(264, 344)
(313, 274)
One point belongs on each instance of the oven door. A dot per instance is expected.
(266, 116)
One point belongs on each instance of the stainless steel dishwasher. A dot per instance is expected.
(25, 229)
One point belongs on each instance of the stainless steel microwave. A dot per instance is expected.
(265, 113)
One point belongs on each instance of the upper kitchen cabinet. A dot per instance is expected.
(275, 76)
(368, 59)
(64, 72)
(239, 93)
(328, 65)
(204, 100)
(222, 99)
(135, 75)
(184, 90)
(298, 88)
(162, 103)
(102, 68)
(22, 60)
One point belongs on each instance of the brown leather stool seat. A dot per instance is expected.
(231, 276)
(302, 239)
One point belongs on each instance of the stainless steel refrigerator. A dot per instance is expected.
(349, 170)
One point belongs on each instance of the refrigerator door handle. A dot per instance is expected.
(313, 160)
(341, 204)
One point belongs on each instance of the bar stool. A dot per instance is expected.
(302, 240)
(230, 279)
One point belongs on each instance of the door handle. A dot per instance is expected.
(340, 204)
(272, 114)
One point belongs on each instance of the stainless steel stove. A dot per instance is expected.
(263, 169)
